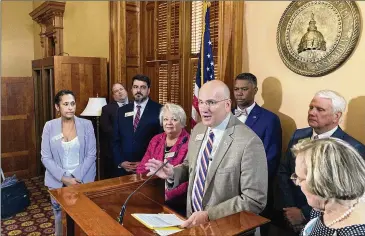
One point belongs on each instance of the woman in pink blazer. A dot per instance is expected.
(68, 150)
(170, 144)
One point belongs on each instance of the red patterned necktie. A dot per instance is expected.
(202, 174)
(137, 118)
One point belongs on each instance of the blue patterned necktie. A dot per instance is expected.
(202, 174)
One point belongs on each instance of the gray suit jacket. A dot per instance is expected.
(52, 152)
(237, 176)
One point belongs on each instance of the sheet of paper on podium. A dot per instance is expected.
(162, 224)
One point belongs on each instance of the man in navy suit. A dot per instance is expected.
(324, 114)
(264, 123)
(107, 118)
(135, 125)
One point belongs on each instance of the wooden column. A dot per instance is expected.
(231, 42)
(117, 42)
(49, 16)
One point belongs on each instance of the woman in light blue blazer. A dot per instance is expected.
(68, 150)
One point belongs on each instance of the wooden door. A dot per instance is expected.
(18, 150)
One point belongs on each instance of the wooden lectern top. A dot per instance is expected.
(94, 208)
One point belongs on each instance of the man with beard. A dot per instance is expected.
(324, 115)
(135, 125)
(107, 118)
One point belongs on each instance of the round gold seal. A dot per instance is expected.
(316, 37)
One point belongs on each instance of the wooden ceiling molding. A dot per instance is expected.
(49, 16)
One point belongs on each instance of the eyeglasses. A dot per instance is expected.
(296, 180)
(211, 103)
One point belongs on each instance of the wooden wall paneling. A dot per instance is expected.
(117, 42)
(85, 76)
(186, 79)
(133, 42)
(238, 38)
(39, 107)
(150, 69)
(230, 37)
(18, 153)
(156, 48)
(76, 81)
(224, 38)
(104, 86)
(148, 32)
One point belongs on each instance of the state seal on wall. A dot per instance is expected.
(315, 37)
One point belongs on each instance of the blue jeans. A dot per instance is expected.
(57, 217)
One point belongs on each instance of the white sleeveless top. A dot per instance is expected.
(71, 157)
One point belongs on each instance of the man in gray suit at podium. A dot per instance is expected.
(226, 164)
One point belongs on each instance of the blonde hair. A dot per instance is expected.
(176, 111)
(335, 170)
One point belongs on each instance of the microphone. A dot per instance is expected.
(122, 211)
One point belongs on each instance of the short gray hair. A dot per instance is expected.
(335, 170)
(338, 102)
(176, 111)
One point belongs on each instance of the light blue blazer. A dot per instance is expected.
(52, 152)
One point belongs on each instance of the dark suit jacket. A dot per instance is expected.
(107, 118)
(128, 145)
(292, 195)
(267, 126)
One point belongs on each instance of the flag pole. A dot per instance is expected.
(205, 8)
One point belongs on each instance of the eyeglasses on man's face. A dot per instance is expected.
(210, 102)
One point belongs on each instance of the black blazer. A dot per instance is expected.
(107, 118)
(128, 145)
(291, 194)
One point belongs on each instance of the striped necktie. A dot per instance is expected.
(137, 118)
(202, 174)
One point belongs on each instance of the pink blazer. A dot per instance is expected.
(156, 149)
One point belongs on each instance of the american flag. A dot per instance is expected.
(205, 71)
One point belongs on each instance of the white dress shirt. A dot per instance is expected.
(120, 104)
(143, 106)
(243, 118)
(325, 135)
(218, 134)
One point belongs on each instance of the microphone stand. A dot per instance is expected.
(122, 212)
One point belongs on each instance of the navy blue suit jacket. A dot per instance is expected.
(131, 146)
(292, 196)
(267, 126)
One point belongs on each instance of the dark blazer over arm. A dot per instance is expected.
(292, 196)
(267, 126)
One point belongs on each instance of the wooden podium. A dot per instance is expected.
(92, 209)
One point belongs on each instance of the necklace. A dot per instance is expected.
(342, 217)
